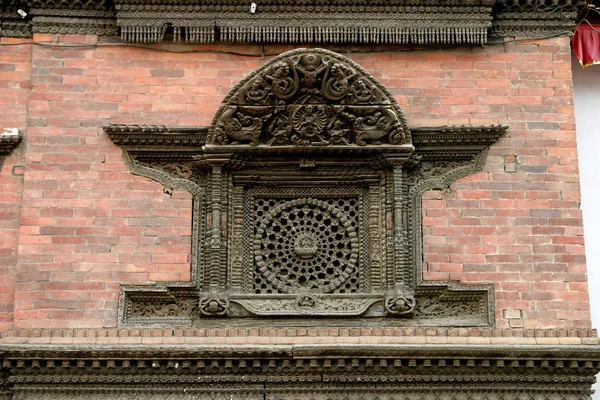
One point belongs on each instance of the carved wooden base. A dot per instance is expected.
(431, 305)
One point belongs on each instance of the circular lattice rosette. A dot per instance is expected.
(306, 245)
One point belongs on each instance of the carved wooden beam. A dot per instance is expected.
(446, 372)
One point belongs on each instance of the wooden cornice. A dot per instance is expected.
(299, 371)
(286, 21)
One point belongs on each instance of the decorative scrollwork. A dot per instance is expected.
(309, 98)
(400, 304)
(307, 304)
(434, 307)
(432, 169)
(181, 308)
(282, 84)
(214, 305)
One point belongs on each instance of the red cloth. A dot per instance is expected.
(586, 44)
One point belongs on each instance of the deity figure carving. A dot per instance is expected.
(310, 99)
(310, 65)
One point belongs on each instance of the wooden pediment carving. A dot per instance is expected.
(309, 97)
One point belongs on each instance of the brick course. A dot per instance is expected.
(88, 225)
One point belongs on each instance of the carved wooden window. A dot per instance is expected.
(307, 203)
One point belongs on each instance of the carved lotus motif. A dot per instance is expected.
(305, 245)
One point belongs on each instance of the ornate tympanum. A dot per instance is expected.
(309, 99)
(307, 203)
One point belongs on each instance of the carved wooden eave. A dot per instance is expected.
(285, 21)
(73, 17)
(535, 18)
(445, 372)
(313, 138)
(8, 141)
(288, 21)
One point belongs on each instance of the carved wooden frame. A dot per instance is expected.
(289, 127)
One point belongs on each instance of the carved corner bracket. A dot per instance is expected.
(9, 140)
(307, 203)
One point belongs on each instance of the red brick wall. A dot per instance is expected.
(15, 71)
(88, 225)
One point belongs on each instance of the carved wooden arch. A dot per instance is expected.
(270, 104)
(307, 204)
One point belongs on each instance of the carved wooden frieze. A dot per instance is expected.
(422, 22)
(357, 372)
(307, 203)
(541, 18)
(286, 21)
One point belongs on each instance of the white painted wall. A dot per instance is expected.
(586, 83)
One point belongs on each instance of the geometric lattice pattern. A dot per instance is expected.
(306, 245)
